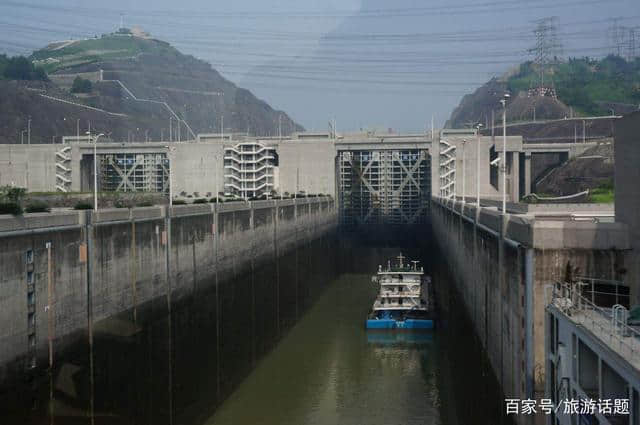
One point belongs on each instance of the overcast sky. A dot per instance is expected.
(368, 63)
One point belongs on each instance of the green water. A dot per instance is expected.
(282, 344)
(325, 371)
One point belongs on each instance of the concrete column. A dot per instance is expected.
(276, 259)
(515, 177)
(476, 268)
(133, 271)
(89, 252)
(167, 250)
(527, 174)
(500, 295)
(529, 353)
(76, 170)
(253, 285)
(435, 165)
(216, 248)
(251, 212)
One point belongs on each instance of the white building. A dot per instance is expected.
(249, 169)
(592, 355)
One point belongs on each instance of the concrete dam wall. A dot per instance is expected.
(501, 266)
(79, 275)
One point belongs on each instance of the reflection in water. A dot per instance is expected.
(211, 357)
(327, 370)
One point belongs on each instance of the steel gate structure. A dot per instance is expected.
(134, 172)
(384, 186)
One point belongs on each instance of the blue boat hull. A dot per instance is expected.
(408, 324)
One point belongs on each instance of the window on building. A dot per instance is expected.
(587, 370)
(614, 387)
(552, 333)
(574, 357)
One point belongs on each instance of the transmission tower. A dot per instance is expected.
(547, 47)
(623, 39)
(616, 33)
(631, 44)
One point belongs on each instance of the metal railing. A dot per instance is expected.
(620, 296)
(609, 324)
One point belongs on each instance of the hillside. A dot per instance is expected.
(589, 171)
(588, 85)
(584, 87)
(149, 69)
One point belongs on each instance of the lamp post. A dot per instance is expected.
(95, 169)
(170, 185)
(464, 166)
(215, 176)
(503, 101)
(478, 127)
(169, 150)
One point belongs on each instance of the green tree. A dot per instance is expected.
(3, 64)
(80, 85)
(12, 194)
(40, 74)
(21, 68)
(18, 68)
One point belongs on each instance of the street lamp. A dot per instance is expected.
(215, 176)
(169, 150)
(503, 101)
(464, 166)
(478, 127)
(95, 169)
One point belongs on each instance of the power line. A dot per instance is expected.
(472, 7)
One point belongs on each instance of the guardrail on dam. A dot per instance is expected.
(63, 273)
(500, 266)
